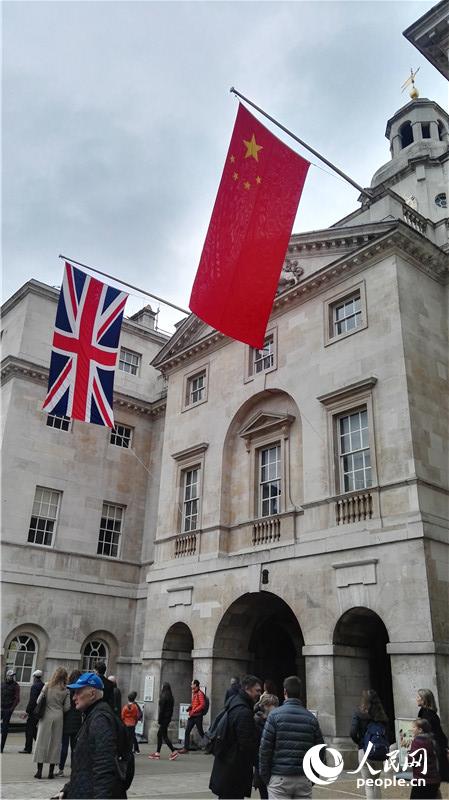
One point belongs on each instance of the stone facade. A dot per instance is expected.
(344, 585)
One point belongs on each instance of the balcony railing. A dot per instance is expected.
(414, 219)
(267, 531)
(185, 545)
(354, 507)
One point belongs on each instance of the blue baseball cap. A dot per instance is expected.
(87, 679)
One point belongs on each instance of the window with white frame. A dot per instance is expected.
(93, 652)
(354, 451)
(264, 359)
(44, 516)
(347, 314)
(196, 388)
(191, 499)
(270, 480)
(21, 657)
(60, 423)
(111, 525)
(129, 361)
(121, 435)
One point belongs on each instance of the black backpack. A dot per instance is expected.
(206, 704)
(216, 736)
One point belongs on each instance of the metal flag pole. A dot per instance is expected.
(124, 283)
(366, 192)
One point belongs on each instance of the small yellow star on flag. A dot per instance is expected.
(252, 148)
(247, 185)
(235, 176)
(232, 159)
(258, 179)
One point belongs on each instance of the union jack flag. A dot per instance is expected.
(85, 346)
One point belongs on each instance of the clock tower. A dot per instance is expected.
(419, 167)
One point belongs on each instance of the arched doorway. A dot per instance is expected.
(258, 634)
(177, 664)
(361, 662)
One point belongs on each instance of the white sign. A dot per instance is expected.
(183, 718)
(148, 691)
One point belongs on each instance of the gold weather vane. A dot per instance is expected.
(414, 93)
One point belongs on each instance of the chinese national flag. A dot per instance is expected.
(249, 231)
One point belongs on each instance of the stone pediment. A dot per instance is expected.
(266, 422)
(190, 333)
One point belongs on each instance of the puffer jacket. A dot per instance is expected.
(289, 732)
(94, 772)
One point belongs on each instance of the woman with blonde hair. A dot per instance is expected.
(428, 710)
(56, 699)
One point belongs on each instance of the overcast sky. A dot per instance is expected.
(117, 117)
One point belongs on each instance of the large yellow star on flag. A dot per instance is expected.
(252, 148)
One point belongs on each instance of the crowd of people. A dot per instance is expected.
(258, 740)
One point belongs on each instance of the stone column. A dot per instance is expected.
(151, 665)
(415, 665)
(320, 685)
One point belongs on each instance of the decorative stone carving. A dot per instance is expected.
(290, 275)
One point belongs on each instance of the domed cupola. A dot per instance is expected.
(419, 147)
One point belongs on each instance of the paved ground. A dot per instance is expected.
(186, 778)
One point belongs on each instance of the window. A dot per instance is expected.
(406, 134)
(44, 516)
(110, 530)
(269, 480)
(354, 451)
(61, 423)
(196, 388)
(94, 651)
(425, 129)
(191, 499)
(21, 657)
(347, 315)
(264, 358)
(121, 435)
(129, 361)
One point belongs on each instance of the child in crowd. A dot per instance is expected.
(131, 714)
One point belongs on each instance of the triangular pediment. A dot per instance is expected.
(265, 421)
(189, 333)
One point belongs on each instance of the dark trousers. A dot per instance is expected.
(67, 739)
(30, 732)
(263, 791)
(428, 792)
(133, 738)
(162, 736)
(6, 716)
(192, 721)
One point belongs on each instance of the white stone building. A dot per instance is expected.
(277, 511)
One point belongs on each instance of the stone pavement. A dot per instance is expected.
(186, 778)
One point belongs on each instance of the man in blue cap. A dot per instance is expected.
(101, 763)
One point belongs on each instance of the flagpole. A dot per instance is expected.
(124, 283)
(366, 192)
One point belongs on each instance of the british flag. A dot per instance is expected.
(85, 346)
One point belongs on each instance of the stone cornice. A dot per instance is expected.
(364, 385)
(52, 293)
(191, 452)
(12, 367)
(369, 242)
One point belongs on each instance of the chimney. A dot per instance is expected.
(145, 317)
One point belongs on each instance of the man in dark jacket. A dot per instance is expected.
(233, 689)
(31, 719)
(94, 765)
(289, 732)
(10, 699)
(117, 695)
(108, 686)
(232, 772)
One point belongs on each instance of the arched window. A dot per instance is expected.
(406, 134)
(21, 657)
(94, 651)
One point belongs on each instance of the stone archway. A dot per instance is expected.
(361, 662)
(177, 663)
(258, 634)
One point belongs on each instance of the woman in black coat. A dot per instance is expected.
(428, 711)
(166, 705)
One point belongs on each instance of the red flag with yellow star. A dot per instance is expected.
(249, 231)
